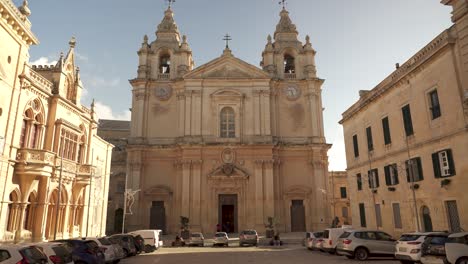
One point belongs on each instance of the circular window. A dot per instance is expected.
(9, 59)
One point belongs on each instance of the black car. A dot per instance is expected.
(433, 248)
(127, 242)
(84, 251)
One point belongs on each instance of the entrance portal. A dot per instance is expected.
(297, 216)
(158, 216)
(227, 215)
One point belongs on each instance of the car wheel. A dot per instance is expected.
(462, 261)
(361, 254)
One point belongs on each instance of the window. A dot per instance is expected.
(227, 123)
(289, 66)
(443, 164)
(356, 146)
(391, 175)
(386, 131)
(407, 122)
(32, 127)
(453, 217)
(373, 178)
(414, 171)
(165, 64)
(343, 192)
(68, 144)
(378, 215)
(370, 143)
(435, 106)
(359, 181)
(397, 215)
(362, 214)
(344, 212)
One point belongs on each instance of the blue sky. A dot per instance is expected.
(358, 42)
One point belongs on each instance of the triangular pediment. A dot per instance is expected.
(227, 67)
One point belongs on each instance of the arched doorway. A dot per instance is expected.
(30, 212)
(12, 212)
(56, 216)
(426, 218)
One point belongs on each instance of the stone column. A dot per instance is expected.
(188, 113)
(20, 211)
(181, 113)
(40, 220)
(185, 204)
(195, 214)
(257, 112)
(258, 174)
(65, 218)
(269, 198)
(71, 219)
(266, 113)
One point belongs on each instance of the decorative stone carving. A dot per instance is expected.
(163, 93)
(228, 156)
(228, 171)
(285, 25)
(292, 92)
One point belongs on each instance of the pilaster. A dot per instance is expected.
(185, 202)
(258, 174)
(195, 213)
(269, 198)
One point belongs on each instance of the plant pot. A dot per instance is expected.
(185, 234)
(445, 182)
(270, 233)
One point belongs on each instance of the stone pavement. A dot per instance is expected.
(290, 254)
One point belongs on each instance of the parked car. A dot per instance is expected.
(313, 236)
(362, 244)
(248, 237)
(317, 244)
(330, 238)
(178, 242)
(127, 242)
(408, 247)
(152, 238)
(456, 248)
(57, 253)
(433, 249)
(139, 243)
(111, 253)
(221, 239)
(118, 248)
(84, 251)
(196, 239)
(14, 254)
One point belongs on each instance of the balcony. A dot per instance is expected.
(164, 76)
(35, 162)
(289, 76)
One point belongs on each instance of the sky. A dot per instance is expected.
(358, 42)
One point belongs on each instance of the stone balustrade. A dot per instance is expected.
(289, 76)
(164, 76)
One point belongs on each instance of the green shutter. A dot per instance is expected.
(387, 175)
(451, 162)
(436, 164)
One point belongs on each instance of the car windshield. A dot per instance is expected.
(196, 235)
(409, 237)
(104, 241)
(326, 234)
(249, 232)
(220, 235)
(438, 240)
(458, 240)
(32, 254)
(318, 234)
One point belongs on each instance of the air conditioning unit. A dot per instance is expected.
(444, 164)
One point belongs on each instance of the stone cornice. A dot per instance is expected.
(402, 72)
(18, 22)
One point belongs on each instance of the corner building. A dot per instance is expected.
(54, 169)
(227, 143)
(407, 140)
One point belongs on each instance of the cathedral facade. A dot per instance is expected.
(227, 144)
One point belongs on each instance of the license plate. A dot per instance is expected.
(402, 249)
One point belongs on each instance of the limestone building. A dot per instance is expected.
(227, 143)
(116, 132)
(54, 169)
(407, 140)
(339, 197)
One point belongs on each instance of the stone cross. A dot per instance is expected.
(227, 38)
(283, 3)
(170, 2)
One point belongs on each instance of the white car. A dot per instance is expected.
(56, 252)
(111, 252)
(13, 254)
(313, 236)
(221, 238)
(456, 248)
(408, 247)
(330, 238)
(152, 238)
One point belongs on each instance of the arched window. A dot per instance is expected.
(227, 123)
(29, 213)
(289, 65)
(12, 211)
(165, 64)
(32, 126)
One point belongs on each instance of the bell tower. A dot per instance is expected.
(285, 57)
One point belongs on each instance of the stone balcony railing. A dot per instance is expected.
(164, 76)
(36, 156)
(289, 76)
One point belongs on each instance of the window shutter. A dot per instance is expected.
(376, 178)
(436, 164)
(420, 171)
(388, 181)
(369, 176)
(408, 178)
(395, 173)
(451, 162)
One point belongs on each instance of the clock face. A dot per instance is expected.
(163, 93)
(292, 92)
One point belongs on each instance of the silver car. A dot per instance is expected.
(196, 239)
(221, 239)
(248, 237)
(362, 244)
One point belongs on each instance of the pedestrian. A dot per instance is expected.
(218, 228)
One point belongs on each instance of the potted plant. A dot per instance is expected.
(184, 231)
(445, 182)
(270, 227)
(392, 189)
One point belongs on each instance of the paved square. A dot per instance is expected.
(232, 255)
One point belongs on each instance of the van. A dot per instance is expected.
(151, 237)
(330, 238)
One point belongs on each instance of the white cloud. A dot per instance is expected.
(43, 61)
(105, 112)
(337, 154)
(84, 93)
(98, 82)
(81, 57)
